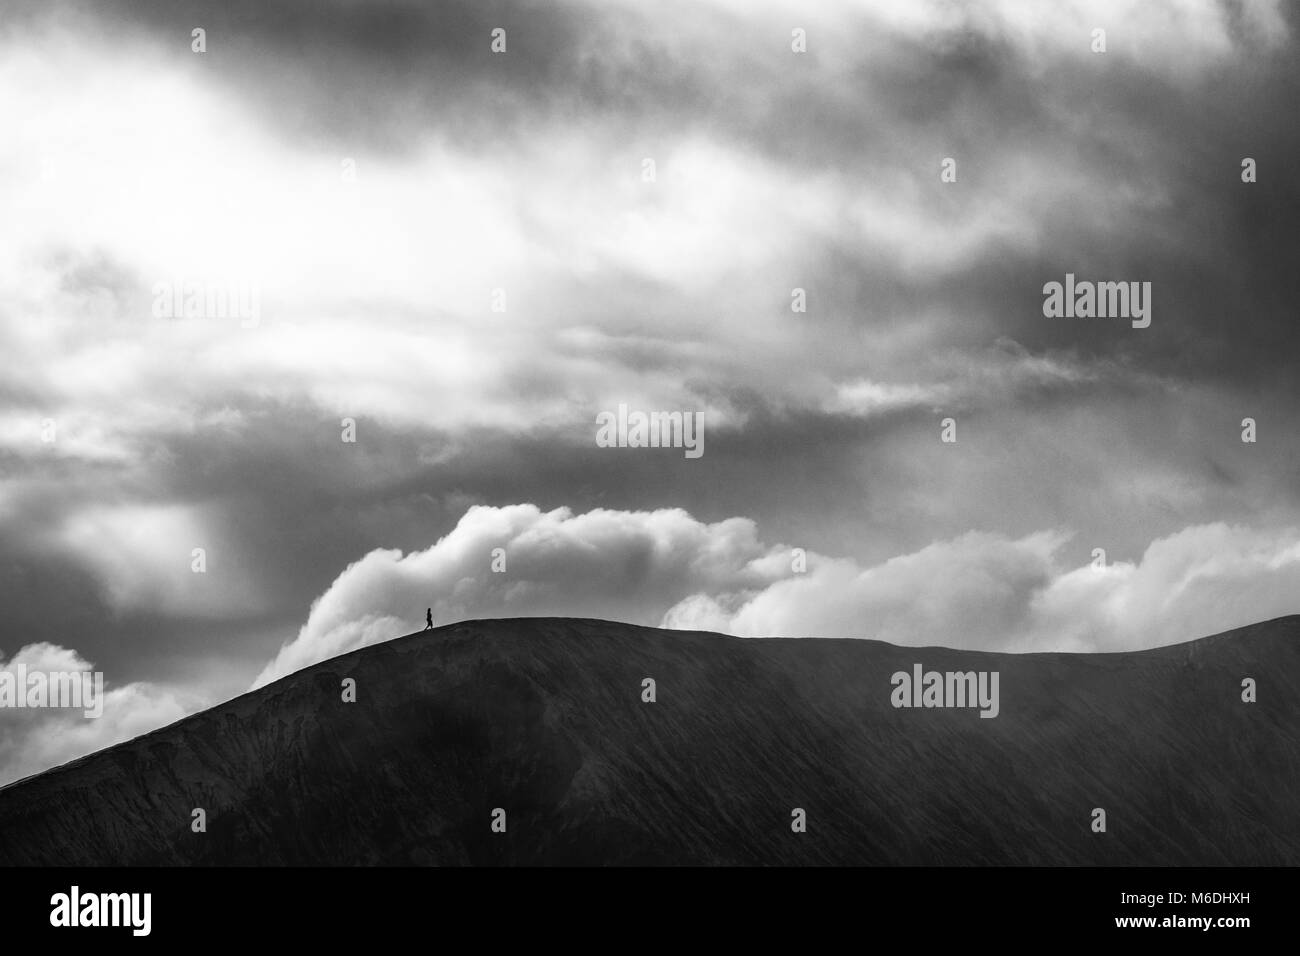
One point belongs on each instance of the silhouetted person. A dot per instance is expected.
(428, 619)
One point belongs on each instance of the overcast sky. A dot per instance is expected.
(375, 171)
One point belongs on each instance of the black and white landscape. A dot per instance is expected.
(778, 354)
(541, 724)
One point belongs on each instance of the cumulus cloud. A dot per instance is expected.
(32, 740)
(621, 565)
(980, 590)
(968, 592)
(989, 592)
(1201, 580)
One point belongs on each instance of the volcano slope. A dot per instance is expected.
(545, 719)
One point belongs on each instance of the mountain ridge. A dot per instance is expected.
(543, 717)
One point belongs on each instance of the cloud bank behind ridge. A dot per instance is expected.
(981, 590)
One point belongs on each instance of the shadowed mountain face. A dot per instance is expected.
(544, 718)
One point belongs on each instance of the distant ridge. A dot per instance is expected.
(544, 718)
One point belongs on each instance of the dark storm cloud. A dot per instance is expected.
(1219, 253)
(379, 75)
